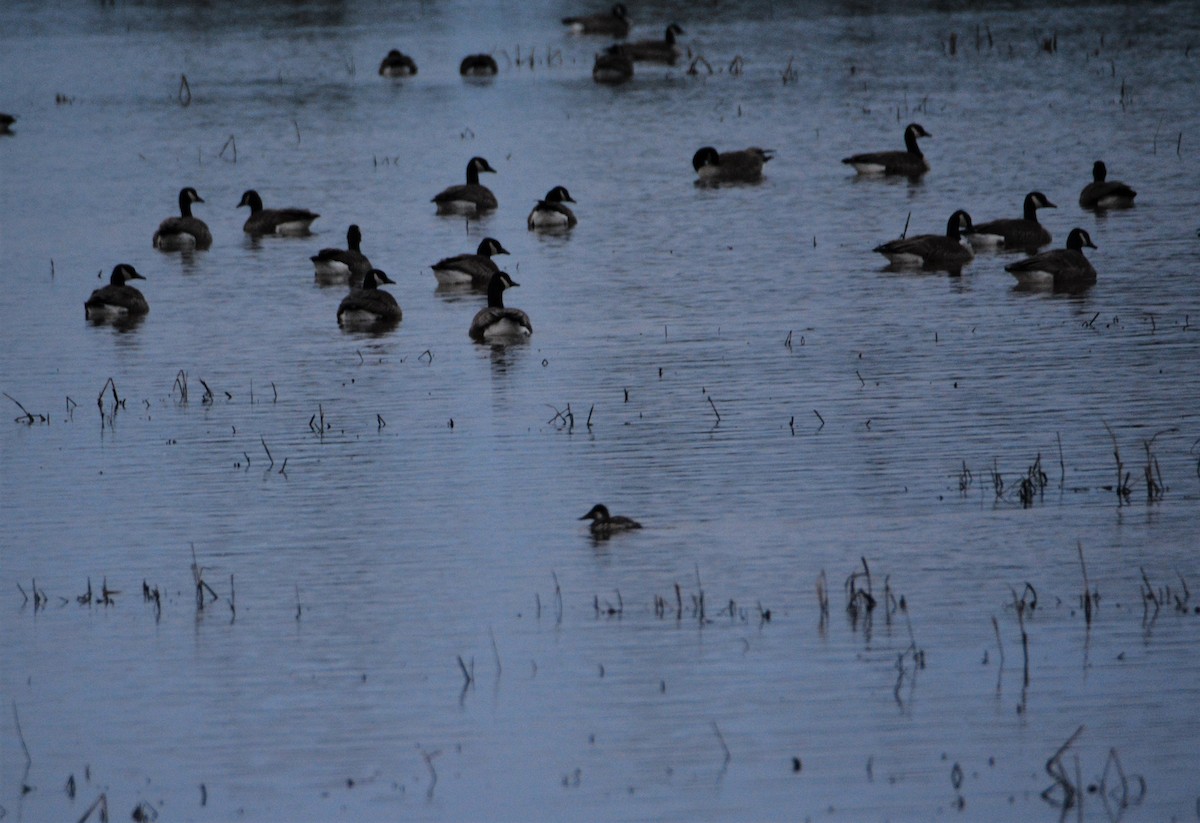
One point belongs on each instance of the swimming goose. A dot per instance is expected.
(743, 166)
(944, 252)
(274, 221)
(614, 24)
(478, 65)
(612, 69)
(550, 213)
(1025, 233)
(470, 199)
(397, 64)
(909, 162)
(369, 305)
(1105, 194)
(605, 525)
(1061, 269)
(185, 231)
(117, 299)
(6, 121)
(343, 265)
(470, 269)
(497, 323)
(652, 51)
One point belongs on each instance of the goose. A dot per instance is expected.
(614, 24)
(369, 305)
(909, 162)
(274, 221)
(478, 65)
(6, 122)
(1024, 233)
(495, 322)
(469, 199)
(652, 51)
(397, 64)
(1105, 194)
(343, 265)
(550, 213)
(605, 525)
(470, 269)
(117, 299)
(612, 69)
(185, 231)
(945, 252)
(1061, 269)
(743, 166)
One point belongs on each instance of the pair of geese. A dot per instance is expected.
(472, 199)
(398, 64)
(187, 231)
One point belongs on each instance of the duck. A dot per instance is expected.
(369, 305)
(495, 322)
(605, 525)
(348, 264)
(652, 51)
(474, 270)
(469, 199)
(1102, 193)
(612, 69)
(550, 213)
(117, 300)
(478, 65)
(909, 162)
(1062, 269)
(185, 231)
(945, 252)
(743, 166)
(1025, 233)
(274, 221)
(614, 24)
(397, 64)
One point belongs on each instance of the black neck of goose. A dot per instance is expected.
(472, 175)
(256, 204)
(496, 293)
(910, 142)
(670, 38)
(952, 230)
(353, 242)
(1099, 172)
(185, 204)
(1030, 209)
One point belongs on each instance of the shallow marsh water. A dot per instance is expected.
(742, 375)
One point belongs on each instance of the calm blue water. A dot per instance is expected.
(741, 375)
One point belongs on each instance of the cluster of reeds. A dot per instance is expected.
(1117, 790)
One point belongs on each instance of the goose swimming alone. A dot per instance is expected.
(183, 232)
(469, 199)
(397, 64)
(605, 525)
(294, 222)
(910, 162)
(745, 166)
(551, 213)
(1061, 269)
(117, 300)
(496, 323)
(1103, 193)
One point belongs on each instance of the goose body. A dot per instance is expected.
(1103, 193)
(397, 64)
(474, 270)
(605, 525)
(909, 162)
(942, 252)
(551, 213)
(347, 265)
(469, 199)
(614, 24)
(6, 122)
(652, 51)
(745, 166)
(117, 300)
(496, 323)
(185, 231)
(612, 69)
(262, 221)
(1061, 269)
(369, 305)
(1016, 234)
(478, 65)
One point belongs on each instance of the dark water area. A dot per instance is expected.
(407, 620)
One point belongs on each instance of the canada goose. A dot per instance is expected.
(909, 162)
(614, 24)
(495, 322)
(743, 166)
(6, 122)
(612, 69)
(185, 231)
(369, 305)
(1023, 234)
(343, 265)
(262, 221)
(1061, 269)
(397, 64)
(1105, 194)
(605, 525)
(117, 300)
(652, 51)
(550, 213)
(478, 65)
(469, 199)
(943, 252)
(470, 269)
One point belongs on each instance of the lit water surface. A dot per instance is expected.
(732, 367)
